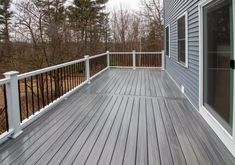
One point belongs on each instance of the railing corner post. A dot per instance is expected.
(108, 59)
(134, 59)
(87, 57)
(13, 103)
(163, 60)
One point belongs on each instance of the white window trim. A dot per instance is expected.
(226, 138)
(169, 35)
(186, 40)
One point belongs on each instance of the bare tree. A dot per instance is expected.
(125, 28)
(153, 14)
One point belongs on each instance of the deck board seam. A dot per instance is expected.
(105, 125)
(119, 132)
(159, 153)
(164, 127)
(128, 132)
(63, 131)
(32, 124)
(73, 132)
(96, 125)
(110, 133)
(147, 138)
(97, 110)
(110, 129)
(40, 136)
(186, 135)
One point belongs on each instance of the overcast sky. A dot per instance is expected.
(126, 4)
(129, 4)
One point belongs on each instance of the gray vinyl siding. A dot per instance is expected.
(188, 77)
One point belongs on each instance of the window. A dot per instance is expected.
(182, 40)
(167, 31)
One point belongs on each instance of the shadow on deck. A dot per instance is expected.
(122, 117)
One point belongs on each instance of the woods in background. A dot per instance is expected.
(40, 33)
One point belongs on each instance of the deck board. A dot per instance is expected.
(123, 117)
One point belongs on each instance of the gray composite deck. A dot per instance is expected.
(123, 117)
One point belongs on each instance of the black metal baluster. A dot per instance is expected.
(124, 63)
(26, 97)
(149, 58)
(67, 75)
(72, 75)
(156, 60)
(146, 60)
(55, 81)
(79, 73)
(5, 106)
(20, 103)
(61, 84)
(38, 94)
(117, 59)
(70, 80)
(42, 90)
(84, 71)
(149, 63)
(47, 89)
(65, 84)
(52, 99)
(76, 74)
(32, 93)
(64, 80)
(67, 78)
(131, 60)
(58, 85)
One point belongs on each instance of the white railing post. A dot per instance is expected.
(163, 60)
(13, 109)
(134, 59)
(108, 59)
(87, 57)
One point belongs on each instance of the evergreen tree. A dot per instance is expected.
(88, 19)
(5, 16)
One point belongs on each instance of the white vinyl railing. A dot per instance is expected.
(137, 59)
(25, 97)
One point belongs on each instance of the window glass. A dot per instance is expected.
(181, 40)
(167, 41)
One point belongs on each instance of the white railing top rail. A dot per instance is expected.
(144, 53)
(120, 53)
(98, 55)
(48, 69)
(148, 53)
(4, 81)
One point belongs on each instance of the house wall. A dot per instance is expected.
(187, 77)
